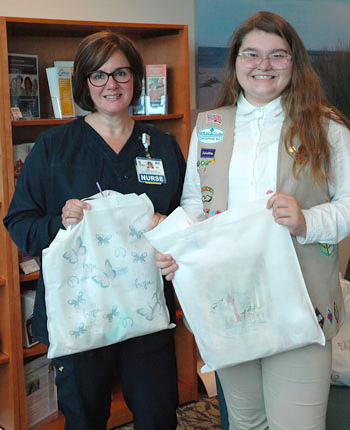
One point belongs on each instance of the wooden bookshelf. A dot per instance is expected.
(58, 40)
(29, 276)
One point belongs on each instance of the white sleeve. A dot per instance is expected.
(191, 199)
(330, 222)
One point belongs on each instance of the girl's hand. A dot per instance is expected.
(72, 211)
(287, 211)
(166, 264)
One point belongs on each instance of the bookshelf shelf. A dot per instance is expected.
(30, 276)
(58, 40)
(35, 350)
(51, 121)
(4, 358)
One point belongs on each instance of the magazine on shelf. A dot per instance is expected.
(69, 65)
(24, 85)
(60, 85)
(156, 89)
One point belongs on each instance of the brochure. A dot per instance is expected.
(24, 85)
(156, 89)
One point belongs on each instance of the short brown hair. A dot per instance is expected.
(93, 51)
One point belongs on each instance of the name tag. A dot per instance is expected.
(150, 171)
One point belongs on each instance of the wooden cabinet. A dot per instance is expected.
(58, 40)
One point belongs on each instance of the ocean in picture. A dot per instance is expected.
(211, 64)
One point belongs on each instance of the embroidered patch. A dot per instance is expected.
(208, 153)
(211, 135)
(336, 312)
(207, 194)
(207, 189)
(329, 316)
(206, 163)
(328, 249)
(206, 198)
(214, 117)
(319, 317)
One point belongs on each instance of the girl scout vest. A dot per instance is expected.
(319, 262)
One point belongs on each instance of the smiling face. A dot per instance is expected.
(113, 98)
(263, 83)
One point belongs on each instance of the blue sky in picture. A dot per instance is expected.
(320, 23)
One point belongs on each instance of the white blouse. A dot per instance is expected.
(253, 170)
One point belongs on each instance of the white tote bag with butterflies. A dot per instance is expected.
(101, 282)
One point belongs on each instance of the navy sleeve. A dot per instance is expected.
(181, 165)
(30, 225)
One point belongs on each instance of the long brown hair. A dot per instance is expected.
(304, 102)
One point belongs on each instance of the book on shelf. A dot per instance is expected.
(24, 85)
(156, 89)
(20, 153)
(69, 65)
(41, 391)
(27, 308)
(27, 263)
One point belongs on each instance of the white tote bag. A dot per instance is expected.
(239, 284)
(101, 282)
(341, 344)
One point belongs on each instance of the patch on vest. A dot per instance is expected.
(207, 194)
(320, 317)
(329, 316)
(205, 163)
(328, 249)
(208, 153)
(336, 312)
(211, 135)
(214, 117)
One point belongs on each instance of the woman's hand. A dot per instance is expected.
(166, 264)
(287, 211)
(72, 211)
(157, 218)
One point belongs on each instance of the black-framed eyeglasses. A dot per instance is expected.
(98, 78)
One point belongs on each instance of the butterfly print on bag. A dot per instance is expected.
(108, 274)
(137, 233)
(103, 240)
(77, 333)
(149, 312)
(78, 250)
(76, 302)
(139, 257)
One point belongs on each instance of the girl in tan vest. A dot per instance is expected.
(274, 131)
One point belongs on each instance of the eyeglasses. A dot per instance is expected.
(279, 59)
(122, 75)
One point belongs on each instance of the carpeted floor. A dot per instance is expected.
(201, 415)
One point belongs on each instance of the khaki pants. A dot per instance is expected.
(287, 391)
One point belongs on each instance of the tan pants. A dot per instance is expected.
(287, 391)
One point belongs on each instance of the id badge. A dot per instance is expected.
(150, 171)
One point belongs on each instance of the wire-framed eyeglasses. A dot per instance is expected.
(278, 59)
(98, 78)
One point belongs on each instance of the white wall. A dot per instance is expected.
(149, 11)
